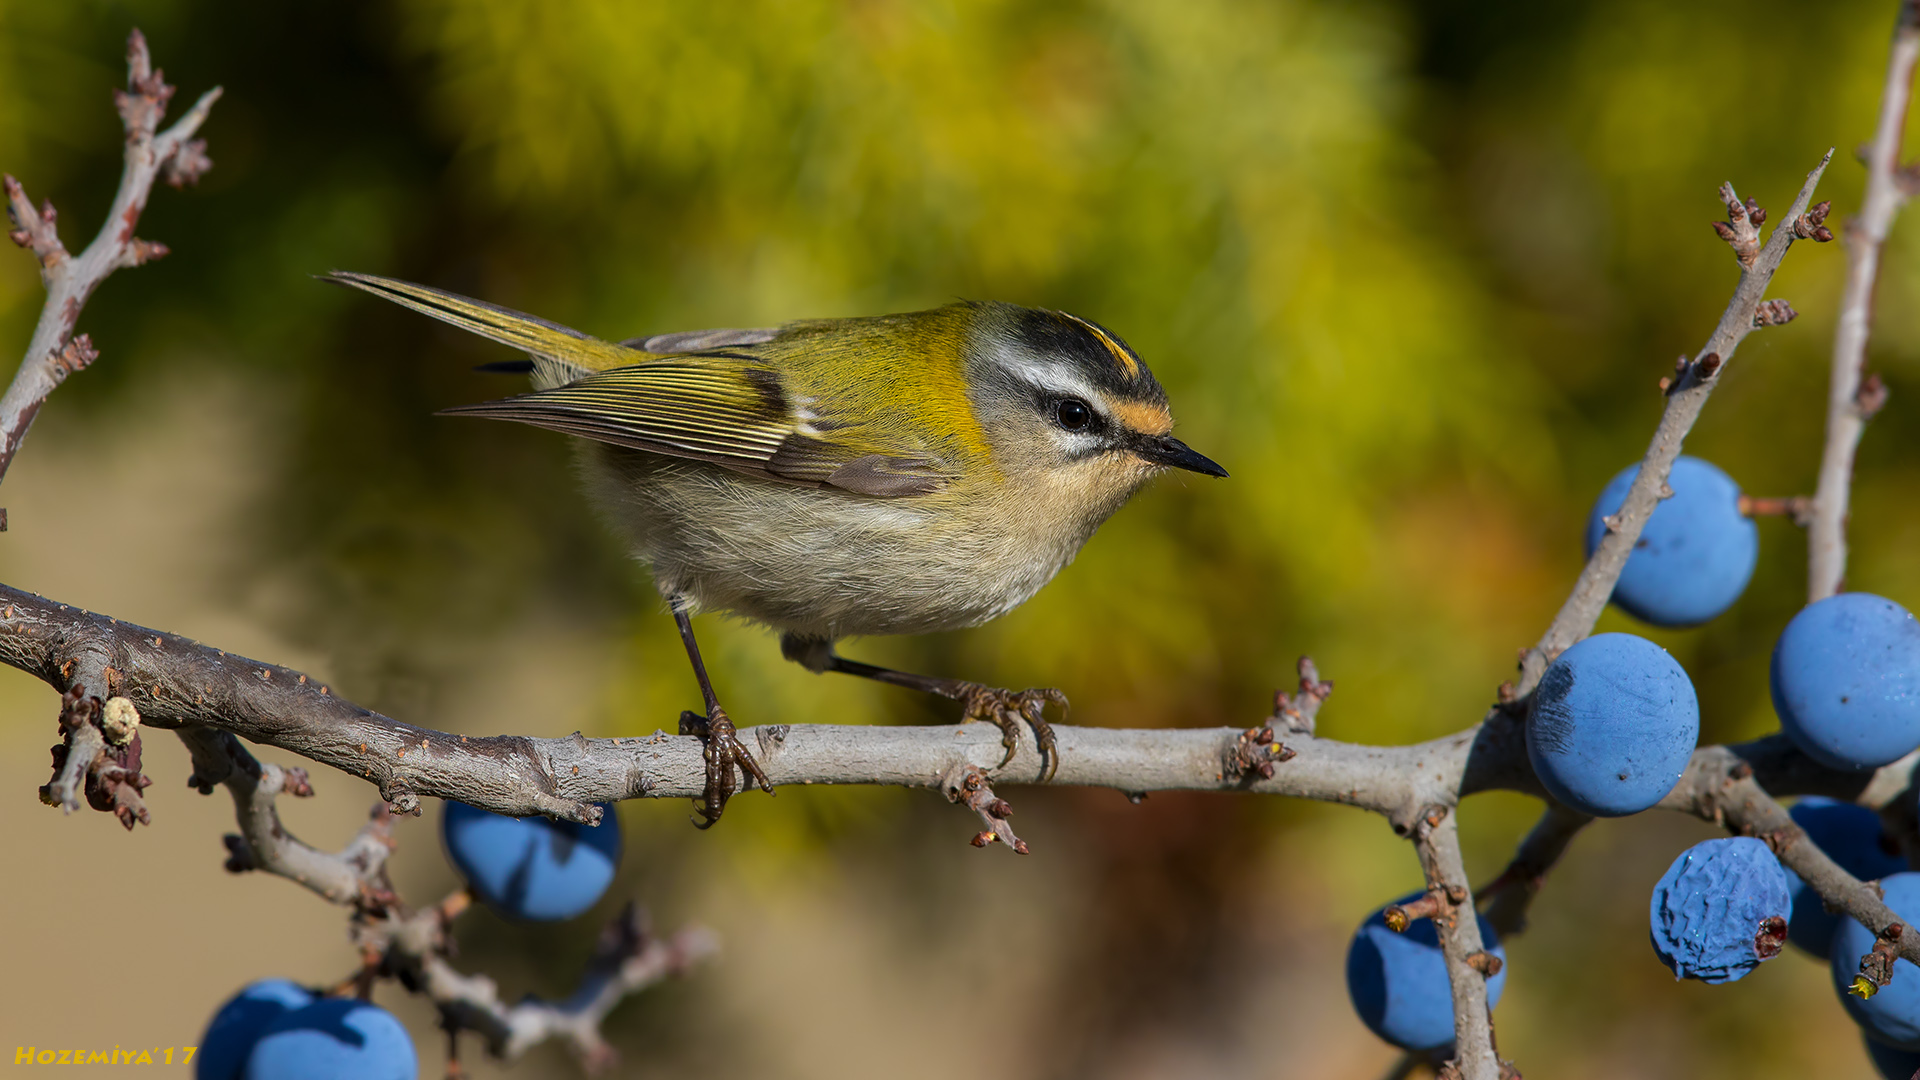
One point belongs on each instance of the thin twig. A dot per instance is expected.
(1852, 398)
(173, 154)
(627, 959)
(1796, 508)
(1509, 895)
(81, 744)
(968, 786)
(354, 875)
(1685, 398)
(1438, 843)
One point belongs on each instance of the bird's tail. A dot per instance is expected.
(504, 325)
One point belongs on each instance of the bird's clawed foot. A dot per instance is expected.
(724, 751)
(1006, 709)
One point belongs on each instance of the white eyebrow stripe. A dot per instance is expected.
(1056, 378)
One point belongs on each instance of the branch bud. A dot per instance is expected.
(1741, 230)
(1876, 968)
(119, 720)
(1774, 313)
(75, 355)
(1872, 396)
(1485, 963)
(138, 252)
(1400, 916)
(188, 164)
(1807, 226)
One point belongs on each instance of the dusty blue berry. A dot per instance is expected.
(333, 1039)
(1696, 553)
(1846, 681)
(1398, 981)
(1612, 725)
(532, 868)
(1892, 1014)
(233, 1031)
(1719, 910)
(1852, 836)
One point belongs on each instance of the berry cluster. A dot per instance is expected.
(1611, 728)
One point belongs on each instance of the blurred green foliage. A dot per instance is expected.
(1409, 270)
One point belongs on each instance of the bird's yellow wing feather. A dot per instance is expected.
(720, 405)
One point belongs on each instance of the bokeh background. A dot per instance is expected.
(1410, 270)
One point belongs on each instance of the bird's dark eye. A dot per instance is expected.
(1072, 414)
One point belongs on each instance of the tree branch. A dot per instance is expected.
(1686, 396)
(178, 683)
(1852, 397)
(54, 353)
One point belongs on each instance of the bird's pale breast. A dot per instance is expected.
(830, 564)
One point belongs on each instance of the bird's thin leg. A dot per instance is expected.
(724, 750)
(1006, 709)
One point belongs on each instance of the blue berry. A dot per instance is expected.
(1612, 725)
(238, 1025)
(1892, 1014)
(1893, 1064)
(532, 868)
(1398, 982)
(333, 1039)
(1851, 836)
(1719, 910)
(1696, 553)
(1846, 681)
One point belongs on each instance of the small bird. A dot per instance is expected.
(898, 474)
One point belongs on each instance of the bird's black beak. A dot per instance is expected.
(1171, 452)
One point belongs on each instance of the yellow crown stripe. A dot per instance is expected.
(1127, 362)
